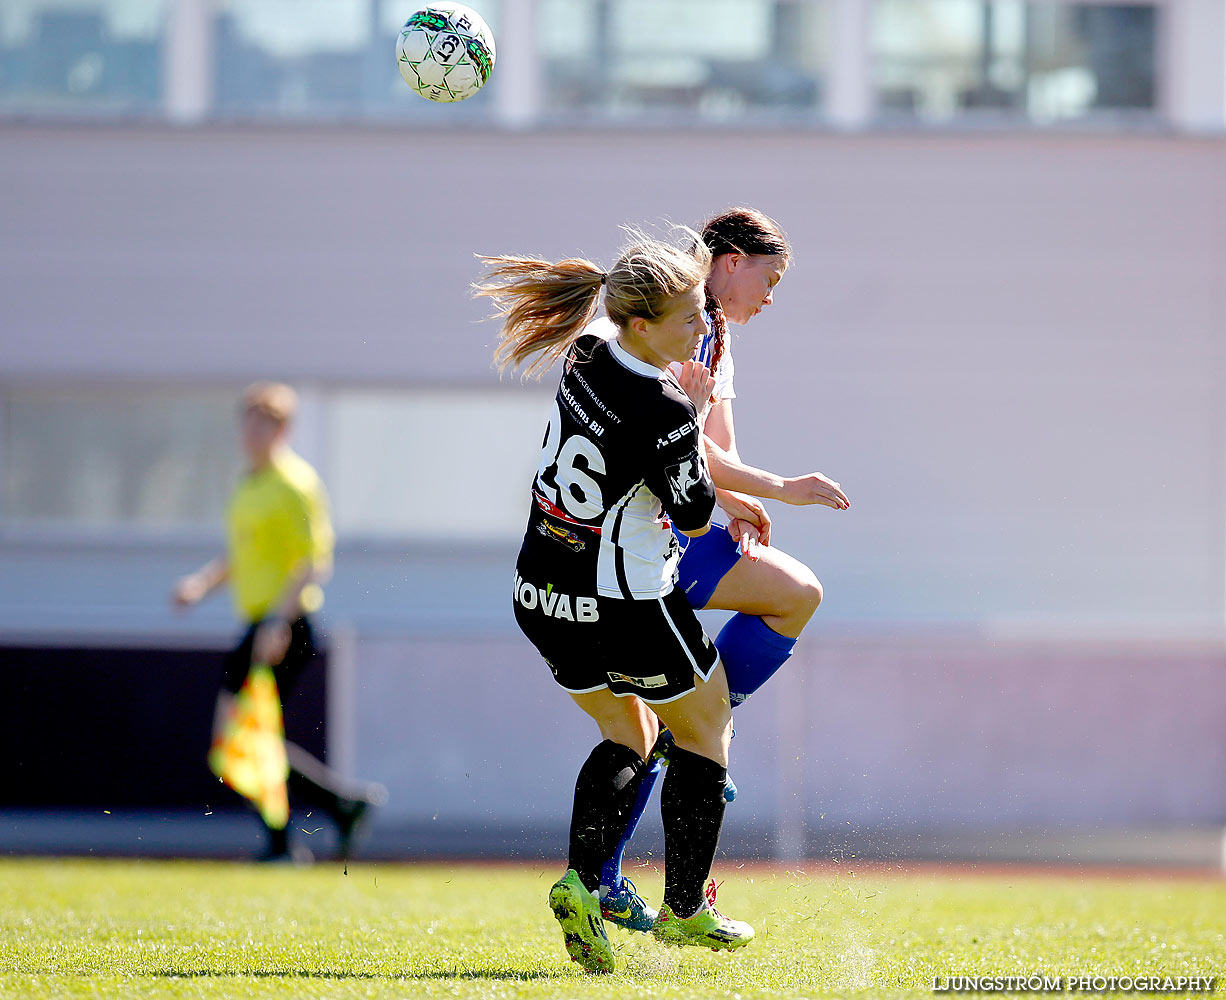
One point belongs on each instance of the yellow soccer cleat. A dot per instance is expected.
(578, 911)
(708, 928)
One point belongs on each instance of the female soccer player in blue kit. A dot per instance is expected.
(773, 594)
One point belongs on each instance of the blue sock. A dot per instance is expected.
(611, 871)
(752, 651)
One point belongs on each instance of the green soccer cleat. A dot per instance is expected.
(708, 928)
(578, 911)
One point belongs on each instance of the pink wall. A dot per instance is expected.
(856, 735)
(1008, 348)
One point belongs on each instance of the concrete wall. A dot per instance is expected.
(1008, 348)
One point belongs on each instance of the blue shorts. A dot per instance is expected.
(705, 561)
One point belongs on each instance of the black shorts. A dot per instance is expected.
(302, 650)
(651, 648)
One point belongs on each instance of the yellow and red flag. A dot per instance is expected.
(248, 753)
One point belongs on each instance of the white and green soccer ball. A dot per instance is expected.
(445, 52)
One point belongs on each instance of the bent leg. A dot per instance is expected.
(701, 721)
(779, 589)
(611, 872)
(752, 653)
(775, 597)
(628, 721)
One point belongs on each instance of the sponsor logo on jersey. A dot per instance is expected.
(555, 604)
(578, 377)
(676, 435)
(555, 511)
(654, 681)
(567, 538)
(684, 477)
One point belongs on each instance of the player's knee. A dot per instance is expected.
(816, 593)
(641, 741)
(806, 594)
(632, 731)
(707, 738)
(714, 730)
(704, 728)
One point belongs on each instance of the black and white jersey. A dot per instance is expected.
(724, 372)
(621, 463)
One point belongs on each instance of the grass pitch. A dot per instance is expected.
(213, 930)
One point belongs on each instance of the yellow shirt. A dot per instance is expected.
(278, 517)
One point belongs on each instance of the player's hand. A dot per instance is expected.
(189, 590)
(746, 513)
(814, 488)
(271, 642)
(697, 382)
(747, 537)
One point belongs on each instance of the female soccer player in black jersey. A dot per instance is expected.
(621, 465)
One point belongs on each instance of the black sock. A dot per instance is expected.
(692, 807)
(605, 791)
(278, 841)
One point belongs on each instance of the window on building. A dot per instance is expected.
(433, 464)
(82, 55)
(713, 59)
(324, 58)
(414, 464)
(634, 61)
(937, 60)
(116, 456)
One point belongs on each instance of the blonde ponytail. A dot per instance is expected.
(545, 307)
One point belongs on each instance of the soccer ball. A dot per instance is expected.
(445, 52)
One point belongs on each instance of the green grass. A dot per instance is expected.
(186, 929)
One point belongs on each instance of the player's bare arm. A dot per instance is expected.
(720, 429)
(812, 488)
(729, 472)
(195, 587)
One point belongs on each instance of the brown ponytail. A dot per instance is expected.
(719, 324)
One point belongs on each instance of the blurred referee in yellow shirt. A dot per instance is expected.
(278, 555)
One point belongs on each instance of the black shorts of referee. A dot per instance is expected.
(302, 651)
